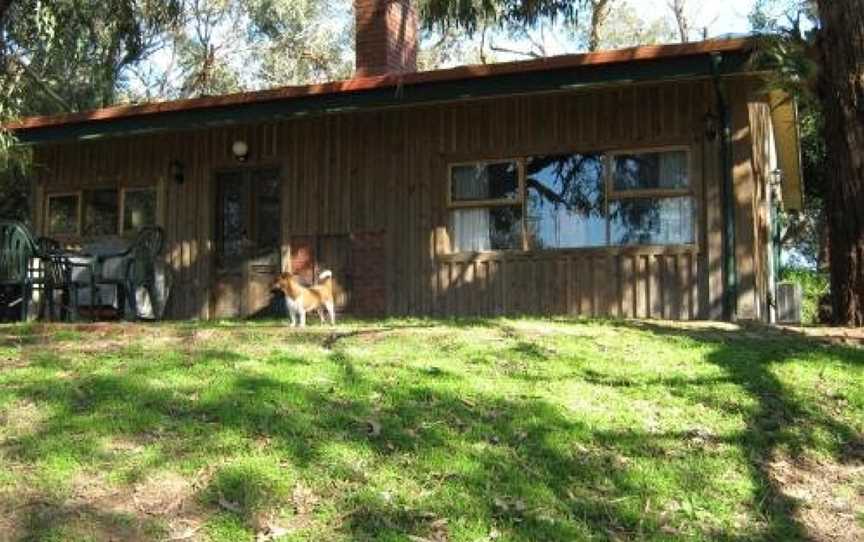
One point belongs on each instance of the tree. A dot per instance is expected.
(841, 93)
(824, 69)
(599, 13)
(682, 20)
(471, 15)
(623, 26)
(786, 54)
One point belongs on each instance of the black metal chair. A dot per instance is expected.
(27, 265)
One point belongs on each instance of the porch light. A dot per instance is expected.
(712, 123)
(240, 150)
(176, 171)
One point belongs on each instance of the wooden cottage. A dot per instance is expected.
(628, 183)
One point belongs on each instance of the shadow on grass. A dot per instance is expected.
(779, 420)
(480, 458)
(501, 449)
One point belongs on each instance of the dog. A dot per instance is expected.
(301, 299)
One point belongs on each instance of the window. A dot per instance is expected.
(101, 212)
(139, 208)
(572, 200)
(651, 171)
(566, 200)
(651, 221)
(487, 212)
(63, 214)
(651, 201)
(248, 223)
(495, 181)
(266, 186)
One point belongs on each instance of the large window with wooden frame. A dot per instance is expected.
(572, 200)
(486, 201)
(102, 211)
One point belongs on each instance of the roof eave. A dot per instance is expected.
(507, 82)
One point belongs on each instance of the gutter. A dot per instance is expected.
(730, 276)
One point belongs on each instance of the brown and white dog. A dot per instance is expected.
(301, 300)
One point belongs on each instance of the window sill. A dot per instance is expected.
(634, 250)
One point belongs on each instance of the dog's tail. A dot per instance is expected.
(325, 281)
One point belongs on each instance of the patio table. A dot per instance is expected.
(99, 271)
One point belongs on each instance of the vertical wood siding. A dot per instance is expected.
(386, 171)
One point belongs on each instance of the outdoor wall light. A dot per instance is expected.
(240, 150)
(711, 126)
(176, 171)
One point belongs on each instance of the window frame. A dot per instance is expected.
(78, 213)
(484, 203)
(647, 193)
(610, 194)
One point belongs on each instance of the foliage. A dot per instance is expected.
(462, 430)
(625, 26)
(786, 53)
(237, 45)
(472, 15)
(815, 286)
(69, 55)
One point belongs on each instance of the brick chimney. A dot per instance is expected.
(386, 37)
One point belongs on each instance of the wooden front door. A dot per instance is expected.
(248, 241)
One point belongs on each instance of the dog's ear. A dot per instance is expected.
(285, 275)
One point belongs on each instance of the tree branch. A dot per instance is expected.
(51, 93)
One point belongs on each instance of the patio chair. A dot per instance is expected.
(131, 270)
(27, 265)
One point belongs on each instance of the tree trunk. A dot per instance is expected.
(841, 93)
(4, 6)
(678, 10)
(599, 12)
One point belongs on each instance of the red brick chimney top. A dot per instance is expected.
(386, 41)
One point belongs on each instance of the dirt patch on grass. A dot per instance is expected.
(829, 496)
(163, 506)
(20, 416)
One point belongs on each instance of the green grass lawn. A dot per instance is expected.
(474, 430)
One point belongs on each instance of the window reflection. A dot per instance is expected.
(650, 171)
(479, 182)
(63, 214)
(101, 212)
(139, 209)
(565, 199)
(266, 187)
(651, 221)
(490, 228)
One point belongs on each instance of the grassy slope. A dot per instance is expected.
(470, 430)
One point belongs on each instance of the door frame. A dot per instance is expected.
(215, 230)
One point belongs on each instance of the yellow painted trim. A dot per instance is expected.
(784, 117)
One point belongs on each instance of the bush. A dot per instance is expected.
(815, 286)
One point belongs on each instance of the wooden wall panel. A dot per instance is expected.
(386, 171)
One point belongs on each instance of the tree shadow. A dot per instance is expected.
(484, 456)
(779, 422)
